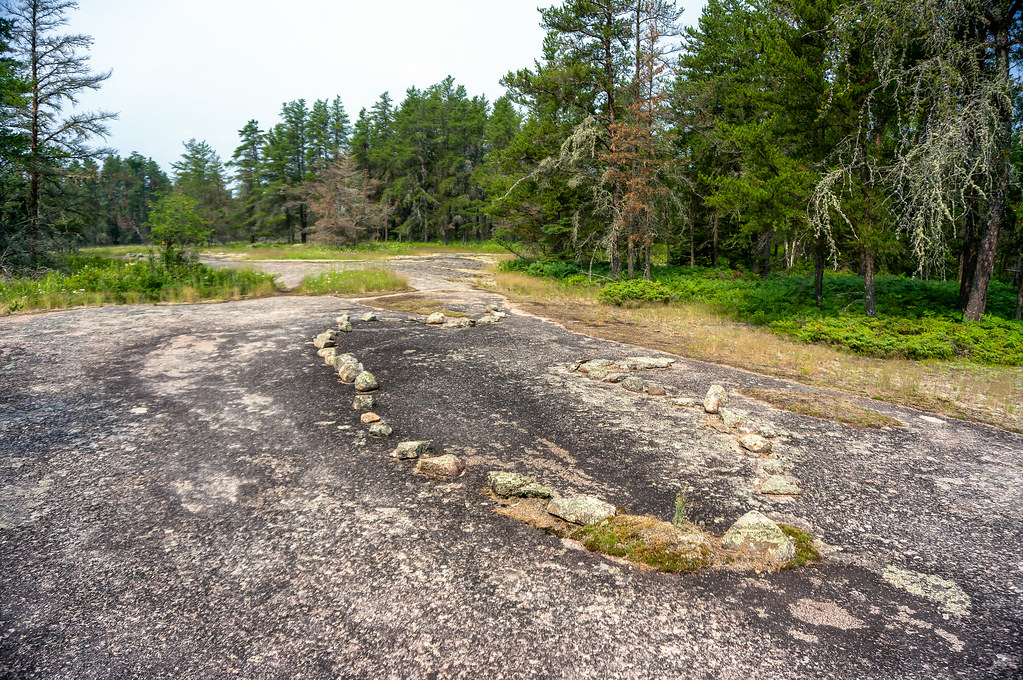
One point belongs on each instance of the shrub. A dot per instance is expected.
(617, 292)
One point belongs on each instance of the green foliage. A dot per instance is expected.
(618, 292)
(88, 280)
(806, 551)
(176, 224)
(353, 281)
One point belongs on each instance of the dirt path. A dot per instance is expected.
(185, 492)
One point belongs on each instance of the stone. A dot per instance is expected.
(363, 402)
(614, 378)
(754, 443)
(417, 318)
(683, 402)
(716, 399)
(633, 384)
(486, 321)
(748, 428)
(781, 485)
(328, 354)
(730, 418)
(508, 484)
(755, 533)
(587, 366)
(344, 358)
(768, 431)
(410, 450)
(344, 318)
(365, 382)
(581, 509)
(598, 373)
(774, 467)
(574, 366)
(458, 323)
(647, 363)
(655, 390)
(380, 430)
(369, 316)
(348, 372)
(493, 308)
(370, 417)
(446, 466)
(499, 315)
(345, 327)
(435, 319)
(325, 339)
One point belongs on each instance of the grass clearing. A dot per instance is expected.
(353, 282)
(372, 251)
(824, 406)
(989, 394)
(91, 281)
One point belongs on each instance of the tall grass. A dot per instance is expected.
(695, 329)
(90, 280)
(353, 282)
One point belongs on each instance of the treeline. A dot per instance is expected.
(865, 135)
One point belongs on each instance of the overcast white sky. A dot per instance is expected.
(202, 68)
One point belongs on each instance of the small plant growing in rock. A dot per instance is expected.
(681, 518)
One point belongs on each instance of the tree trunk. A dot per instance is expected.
(976, 304)
(646, 260)
(714, 252)
(632, 257)
(667, 247)
(692, 238)
(868, 282)
(818, 273)
(1019, 300)
(968, 259)
(764, 252)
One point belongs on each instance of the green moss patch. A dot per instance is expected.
(805, 550)
(647, 540)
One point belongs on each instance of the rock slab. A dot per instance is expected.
(716, 399)
(510, 484)
(446, 466)
(756, 534)
(581, 509)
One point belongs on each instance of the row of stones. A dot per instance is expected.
(350, 370)
(753, 534)
(751, 438)
(345, 325)
(612, 371)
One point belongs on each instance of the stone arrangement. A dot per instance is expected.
(752, 439)
(753, 541)
(618, 371)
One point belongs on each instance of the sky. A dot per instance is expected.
(202, 68)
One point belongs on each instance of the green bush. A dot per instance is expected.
(617, 292)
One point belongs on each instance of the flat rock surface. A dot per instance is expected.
(185, 492)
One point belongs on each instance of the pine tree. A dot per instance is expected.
(57, 72)
(199, 175)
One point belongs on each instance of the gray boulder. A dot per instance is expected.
(634, 384)
(435, 319)
(325, 339)
(345, 327)
(369, 316)
(683, 402)
(363, 402)
(344, 318)
(647, 363)
(486, 321)
(348, 372)
(409, 450)
(730, 418)
(716, 399)
(754, 533)
(581, 509)
(380, 430)
(365, 382)
(655, 389)
(509, 484)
